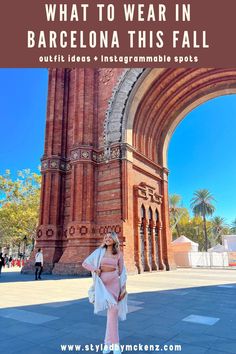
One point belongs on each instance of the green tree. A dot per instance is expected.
(19, 207)
(201, 205)
(217, 229)
(175, 211)
(233, 227)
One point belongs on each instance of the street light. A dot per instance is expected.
(24, 239)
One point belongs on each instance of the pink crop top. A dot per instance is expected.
(108, 261)
(117, 262)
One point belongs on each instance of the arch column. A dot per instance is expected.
(160, 248)
(154, 250)
(168, 257)
(54, 167)
(79, 228)
(147, 266)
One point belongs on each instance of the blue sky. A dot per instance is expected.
(23, 97)
(201, 152)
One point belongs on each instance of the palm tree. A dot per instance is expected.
(218, 227)
(233, 226)
(201, 205)
(175, 209)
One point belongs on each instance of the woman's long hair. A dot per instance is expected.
(116, 244)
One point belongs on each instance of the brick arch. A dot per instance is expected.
(163, 99)
(154, 101)
(157, 102)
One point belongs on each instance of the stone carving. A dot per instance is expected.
(106, 75)
(49, 232)
(83, 230)
(116, 105)
(104, 229)
(54, 164)
(148, 193)
(72, 230)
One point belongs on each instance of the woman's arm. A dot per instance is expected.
(89, 267)
(120, 267)
(120, 263)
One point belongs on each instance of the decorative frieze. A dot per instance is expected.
(76, 230)
(82, 154)
(108, 228)
(85, 230)
(47, 232)
(148, 193)
(79, 154)
(56, 164)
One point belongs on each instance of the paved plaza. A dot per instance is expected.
(190, 311)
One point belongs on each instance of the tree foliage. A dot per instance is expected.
(198, 228)
(233, 227)
(19, 207)
(176, 212)
(201, 205)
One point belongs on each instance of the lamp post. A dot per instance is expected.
(24, 239)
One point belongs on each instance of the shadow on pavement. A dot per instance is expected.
(199, 319)
(17, 276)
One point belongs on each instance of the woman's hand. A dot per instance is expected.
(122, 294)
(98, 272)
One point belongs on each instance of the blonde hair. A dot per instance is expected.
(116, 245)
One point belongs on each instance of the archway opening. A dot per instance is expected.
(201, 157)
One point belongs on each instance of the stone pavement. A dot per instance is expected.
(192, 309)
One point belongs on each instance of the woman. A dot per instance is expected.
(109, 287)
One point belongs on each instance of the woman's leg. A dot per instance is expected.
(36, 272)
(112, 334)
(40, 271)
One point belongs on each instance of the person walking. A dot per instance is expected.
(6, 261)
(2, 263)
(38, 264)
(108, 290)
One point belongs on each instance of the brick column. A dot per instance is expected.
(146, 244)
(168, 257)
(154, 264)
(80, 224)
(161, 265)
(49, 233)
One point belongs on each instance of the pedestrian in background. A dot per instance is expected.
(38, 264)
(6, 261)
(2, 263)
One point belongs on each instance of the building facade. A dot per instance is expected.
(104, 165)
